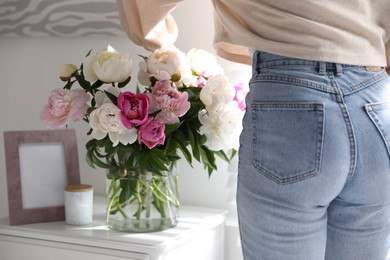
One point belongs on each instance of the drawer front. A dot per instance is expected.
(16, 248)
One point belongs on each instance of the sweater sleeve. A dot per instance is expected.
(148, 23)
(388, 57)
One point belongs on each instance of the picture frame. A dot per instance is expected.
(39, 164)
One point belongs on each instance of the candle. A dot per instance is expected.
(78, 204)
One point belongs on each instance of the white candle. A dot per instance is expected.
(78, 204)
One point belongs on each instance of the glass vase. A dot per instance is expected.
(143, 202)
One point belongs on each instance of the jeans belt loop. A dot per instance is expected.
(339, 69)
(256, 62)
(322, 68)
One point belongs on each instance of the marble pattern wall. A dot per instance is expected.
(61, 18)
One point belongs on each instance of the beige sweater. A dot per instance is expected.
(353, 32)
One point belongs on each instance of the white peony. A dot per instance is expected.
(106, 120)
(107, 66)
(204, 63)
(168, 63)
(222, 128)
(217, 92)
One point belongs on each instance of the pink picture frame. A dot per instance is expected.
(39, 164)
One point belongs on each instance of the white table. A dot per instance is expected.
(199, 235)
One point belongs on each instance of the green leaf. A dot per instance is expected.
(69, 84)
(89, 53)
(98, 162)
(142, 162)
(96, 85)
(128, 187)
(130, 162)
(93, 102)
(210, 171)
(137, 89)
(112, 97)
(179, 135)
(111, 151)
(202, 140)
(171, 146)
(88, 159)
(190, 135)
(113, 173)
(171, 128)
(124, 83)
(233, 153)
(91, 144)
(93, 154)
(145, 58)
(173, 158)
(194, 142)
(98, 154)
(193, 93)
(83, 83)
(158, 160)
(193, 112)
(208, 160)
(185, 151)
(113, 164)
(222, 155)
(211, 157)
(158, 153)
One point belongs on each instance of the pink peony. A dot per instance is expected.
(151, 133)
(134, 108)
(172, 103)
(240, 95)
(64, 106)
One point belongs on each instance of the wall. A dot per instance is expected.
(28, 72)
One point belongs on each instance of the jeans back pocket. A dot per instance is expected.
(287, 140)
(380, 116)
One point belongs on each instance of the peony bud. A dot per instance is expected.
(176, 76)
(67, 71)
(123, 172)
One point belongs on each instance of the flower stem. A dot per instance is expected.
(113, 190)
(140, 201)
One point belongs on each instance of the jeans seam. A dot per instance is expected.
(367, 83)
(349, 126)
(294, 81)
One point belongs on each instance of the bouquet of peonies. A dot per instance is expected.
(187, 105)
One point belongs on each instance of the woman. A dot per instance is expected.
(314, 167)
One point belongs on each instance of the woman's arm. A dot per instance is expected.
(148, 23)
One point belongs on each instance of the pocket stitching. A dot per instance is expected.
(370, 109)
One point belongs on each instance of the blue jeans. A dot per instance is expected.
(314, 167)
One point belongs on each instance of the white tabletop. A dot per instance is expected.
(191, 220)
